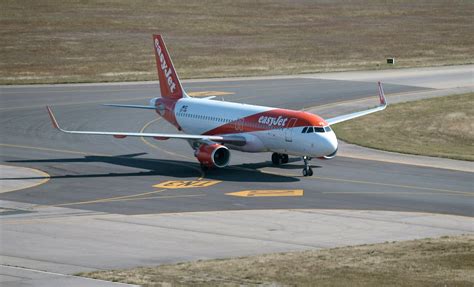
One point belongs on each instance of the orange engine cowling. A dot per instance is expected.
(213, 155)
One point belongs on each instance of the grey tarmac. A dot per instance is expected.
(116, 183)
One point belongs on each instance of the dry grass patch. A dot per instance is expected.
(440, 127)
(55, 41)
(447, 261)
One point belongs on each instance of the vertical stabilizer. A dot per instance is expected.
(170, 86)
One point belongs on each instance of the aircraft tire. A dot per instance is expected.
(276, 159)
(305, 172)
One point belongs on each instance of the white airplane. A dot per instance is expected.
(213, 127)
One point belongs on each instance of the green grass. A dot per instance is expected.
(447, 261)
(439, 127)
(54, 41)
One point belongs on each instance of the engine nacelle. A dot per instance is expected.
(213, 155)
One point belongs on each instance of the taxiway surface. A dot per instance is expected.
(110, 203)
(124, 176)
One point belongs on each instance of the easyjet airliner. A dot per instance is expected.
(214, 127)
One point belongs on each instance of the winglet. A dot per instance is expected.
(383, 101)
(53, 119)
(383, 104)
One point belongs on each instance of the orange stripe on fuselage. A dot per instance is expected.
(272, 119)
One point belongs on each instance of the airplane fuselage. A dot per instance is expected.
(265, 129)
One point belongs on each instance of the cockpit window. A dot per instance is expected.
(308, 130)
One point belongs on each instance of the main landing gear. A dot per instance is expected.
(279, 158)
(307, 170)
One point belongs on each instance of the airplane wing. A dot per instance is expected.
(381, 107)
(131, 106)
(236, 140)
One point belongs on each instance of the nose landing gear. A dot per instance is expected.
(278, 158)
(307, 170)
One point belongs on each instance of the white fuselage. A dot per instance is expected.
(281, 133)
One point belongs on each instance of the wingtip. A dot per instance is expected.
(53, 119)
(382, 98)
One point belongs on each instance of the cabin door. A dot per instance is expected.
(289, 130)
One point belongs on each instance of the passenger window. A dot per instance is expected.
(309, 130)
(304, 130)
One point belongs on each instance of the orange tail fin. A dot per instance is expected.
(170, 86)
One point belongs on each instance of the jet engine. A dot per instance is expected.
(213, 155)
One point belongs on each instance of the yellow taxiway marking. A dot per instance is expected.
(365, 98)
(426, 189)
(41, 173)
(176, 184)
(209, 93)
(396, 185)
(73, 103)
(157, 197)
(51, 149)
(95, 215)
(390, 193)
(101, 200)
(155, 146)
(168, 152)
(267, 193)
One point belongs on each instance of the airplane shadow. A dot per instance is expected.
(161, 167)
(288, 166)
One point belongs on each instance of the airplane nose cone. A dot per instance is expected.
(330, 143)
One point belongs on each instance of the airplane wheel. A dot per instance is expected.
(305, 172)
(285, 158)
(276, 159)
(204, 167)
(310, 172)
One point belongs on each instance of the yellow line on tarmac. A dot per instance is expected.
(393, 185)
(152, 88)
(73, 103)
(83, 90)
(169, 152)
(155, 146)
(433, 190)
(158, 197)
(5, 221)
(43, 181)
(117, 198)
(364, 99)
(51, 149)
(392, 193)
